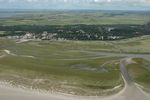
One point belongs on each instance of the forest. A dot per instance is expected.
(79, 32)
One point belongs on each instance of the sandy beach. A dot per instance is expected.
(130, 92)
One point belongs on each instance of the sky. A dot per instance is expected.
(76, 4)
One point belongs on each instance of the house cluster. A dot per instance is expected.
(33, 36)
(42, 36)
(55, 36)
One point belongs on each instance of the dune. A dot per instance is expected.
(131, 91)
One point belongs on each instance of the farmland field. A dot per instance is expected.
(74, 17)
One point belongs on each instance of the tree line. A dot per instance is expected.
(81, 31)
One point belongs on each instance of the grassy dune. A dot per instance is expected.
(133, 45)
(60, 66)
(140, 72)
(74, 67)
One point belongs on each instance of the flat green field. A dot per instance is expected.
(66, 67)
(133, 45)
(76, 17)
(140, 72)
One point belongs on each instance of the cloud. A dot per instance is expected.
(80, 1)
(91, 4)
